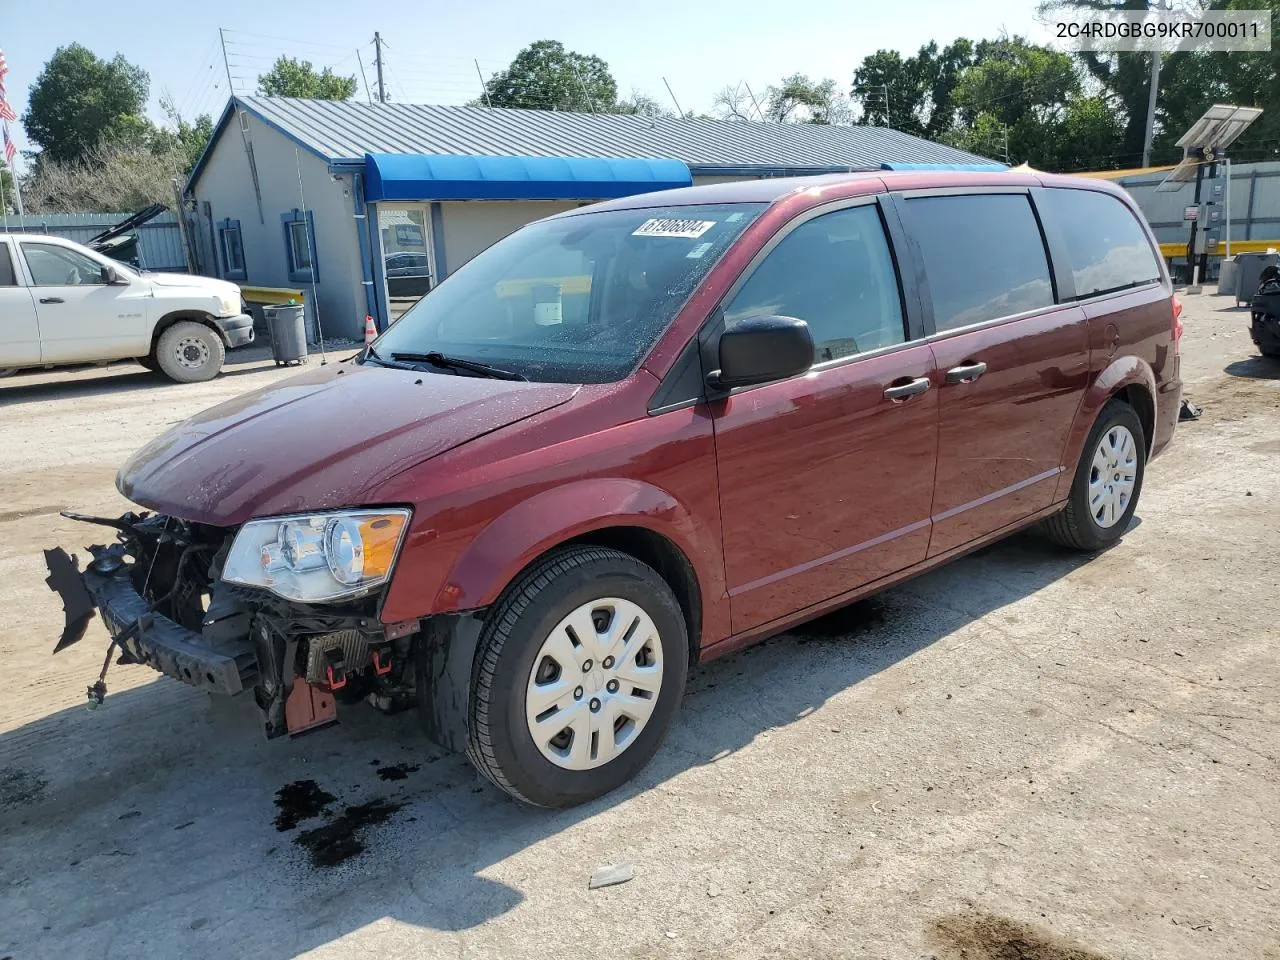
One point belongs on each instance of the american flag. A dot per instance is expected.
(10, 151)
(6, 111)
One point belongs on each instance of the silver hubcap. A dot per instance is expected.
(594, 684)
(1113, 475)
(191, 352)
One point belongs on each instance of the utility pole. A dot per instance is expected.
(377, 46)
(1151, 108)
(1154, 92)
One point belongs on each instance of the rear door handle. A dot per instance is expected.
(911, 388)
(966, 373)
(51, 300)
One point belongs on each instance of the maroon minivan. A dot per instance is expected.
(640, 434)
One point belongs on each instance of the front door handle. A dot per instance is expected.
(51, 300)
(903, 391)
(966, 373)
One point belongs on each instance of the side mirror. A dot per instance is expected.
(760, 350)
(112, 278)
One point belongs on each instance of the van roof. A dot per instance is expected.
(836, 185)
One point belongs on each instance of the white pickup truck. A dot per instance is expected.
(62, 303)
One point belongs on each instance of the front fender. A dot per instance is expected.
(514, 539)
(1120, 373)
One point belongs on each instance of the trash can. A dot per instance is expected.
(1229, 277)
(1250, 272)
(288, 328)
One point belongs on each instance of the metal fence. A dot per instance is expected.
(1255, 204)
(159, 240)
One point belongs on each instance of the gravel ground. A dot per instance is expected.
(1026, 754)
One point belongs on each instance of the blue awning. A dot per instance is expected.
(417, 176)
(974, 167)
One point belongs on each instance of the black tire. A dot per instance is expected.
(1075, 526)
(1272, 352)
(202, 356)
(499, 742)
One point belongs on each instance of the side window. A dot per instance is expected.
(983, 254)
(7, 276)
(54, 266)
(1106, 245)
(231, 243)
(835, 273)
(300, 245)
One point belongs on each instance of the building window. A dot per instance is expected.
(231, 247)
(300, 246)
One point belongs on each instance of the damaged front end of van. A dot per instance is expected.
(285, 608)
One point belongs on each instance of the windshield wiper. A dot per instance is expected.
(437, 359)
(371, 354)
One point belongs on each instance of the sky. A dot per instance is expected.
(698, 46)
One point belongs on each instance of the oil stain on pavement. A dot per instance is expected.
(300, 800)
(343, 837)
(981, 936)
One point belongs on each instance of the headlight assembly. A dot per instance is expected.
(230, 304)
(318, 557)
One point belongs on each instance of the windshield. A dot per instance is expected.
(576, 299)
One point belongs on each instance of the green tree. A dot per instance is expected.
(6, 185)
(545, 76)
(797, 98)
(913, 94)
(187, 137)
(641, 104)
(79, 100)
(290, 77)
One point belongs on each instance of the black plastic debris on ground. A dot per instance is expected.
(343, 838)
(300, 800)
(397, 771)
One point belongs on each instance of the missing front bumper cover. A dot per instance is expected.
(143, 635)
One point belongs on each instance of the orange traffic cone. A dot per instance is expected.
(370, 331)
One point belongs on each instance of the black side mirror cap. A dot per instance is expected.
(761, 350)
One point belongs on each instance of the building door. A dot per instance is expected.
(407, 267)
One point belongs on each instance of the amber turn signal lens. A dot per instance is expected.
(380, 535)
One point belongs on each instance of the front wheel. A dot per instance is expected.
(580, 670)
(1108, 481)
(190, 352)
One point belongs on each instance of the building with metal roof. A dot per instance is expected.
(366, 205)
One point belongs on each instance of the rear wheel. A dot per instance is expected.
(579, 673)
(1108, 481)
(190, 352)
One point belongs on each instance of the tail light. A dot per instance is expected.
(1177, 324)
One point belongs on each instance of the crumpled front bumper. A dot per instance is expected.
(143, 636)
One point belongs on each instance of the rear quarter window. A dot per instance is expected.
(983, 254)
(1106, 247)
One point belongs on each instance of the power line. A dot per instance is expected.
(287, 40)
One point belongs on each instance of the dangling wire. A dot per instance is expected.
(315, 254)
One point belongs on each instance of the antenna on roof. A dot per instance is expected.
(755, 101)
(679, 112)
(483, 86)
(583, 84)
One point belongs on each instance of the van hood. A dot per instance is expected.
(320, 441)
